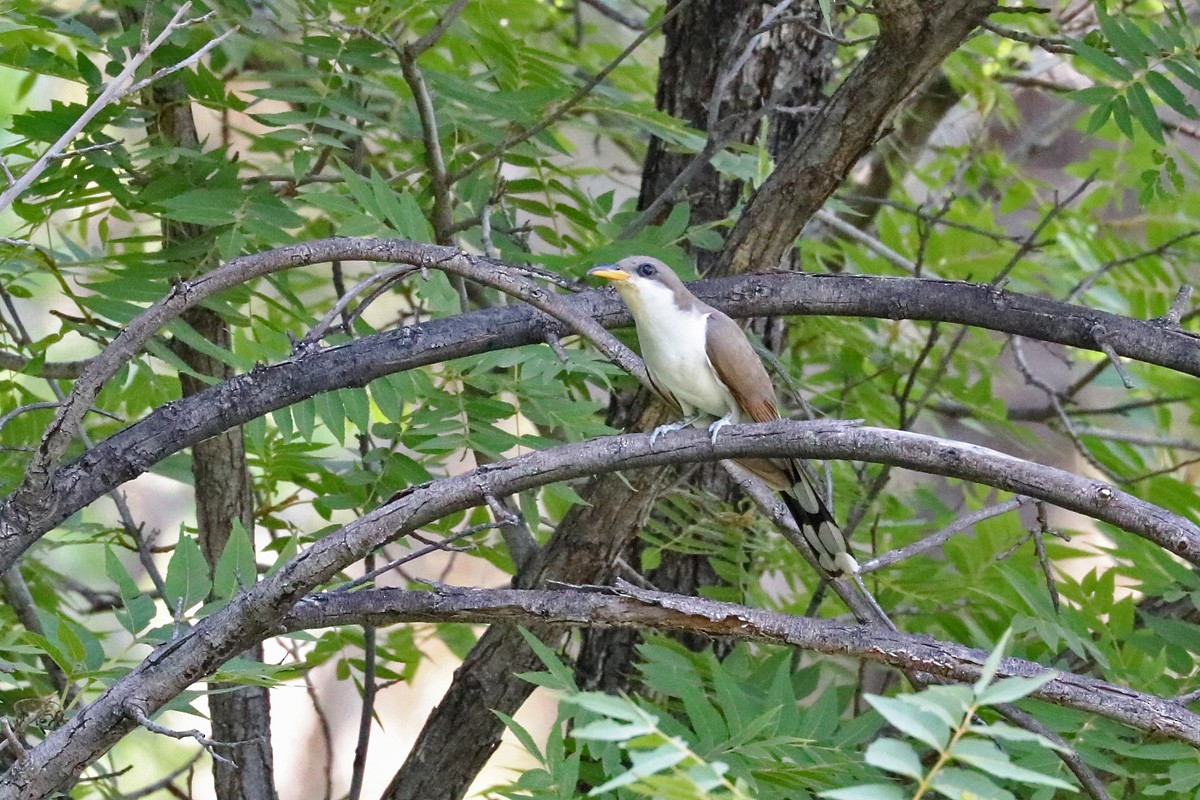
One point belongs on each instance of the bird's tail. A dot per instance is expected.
(816, 523)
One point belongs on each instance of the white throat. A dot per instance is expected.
(673, 346)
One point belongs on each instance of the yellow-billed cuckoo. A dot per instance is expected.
(698, 357)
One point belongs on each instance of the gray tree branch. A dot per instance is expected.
(630, 605)
(39, 505)
(256, 613)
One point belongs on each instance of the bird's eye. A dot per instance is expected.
(645, 269)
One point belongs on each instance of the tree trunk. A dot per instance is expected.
(462, 732)
(223, 493)
(701, 45)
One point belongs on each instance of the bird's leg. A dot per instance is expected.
(671, 427)
(715, 428)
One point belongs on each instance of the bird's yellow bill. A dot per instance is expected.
(609, 273)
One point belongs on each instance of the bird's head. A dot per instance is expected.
(642, 281)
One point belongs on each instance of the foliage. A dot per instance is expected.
(311, 128)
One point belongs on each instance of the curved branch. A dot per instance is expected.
(256, 613)
(27, 515)
(630, 605)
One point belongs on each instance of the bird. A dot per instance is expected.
(700, 360)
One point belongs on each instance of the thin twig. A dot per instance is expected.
(439, 181)
(384, 277)
(187, 62)
(431, 36)
(893, 557)
(604, 9)
(1179, 305)
(440, 545)
(119, 87)
(161, 783)
(1101, 335)
(12, 740)
(366, 714)
(139, 716)
(562, 109)
(1091, 783)
(1028, 244)
(1049, 44)
(1053, 396)
(1108, 266)
(866, 240)
(1039, 544)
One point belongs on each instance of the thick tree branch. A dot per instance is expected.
(40, 505)
(256, 613)
(629, 605)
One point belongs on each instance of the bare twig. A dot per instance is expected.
(1178, 306)
(439, 181)
(431, 37)
(161, 783)
(120, 87)
(366, 716)
(384, 277)
(139, 716)
(1108, 266)
(938, 539)
(1031, 240)
(1143, 439)
(12, 741)
(866, 240)
(1101, 334)
(1047, 43)
(565, 107)
(187, 62)
(1055, 400)
(441, 545)
(1088, 779)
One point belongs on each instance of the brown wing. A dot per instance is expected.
(739, 368)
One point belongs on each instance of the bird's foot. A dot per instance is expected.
(670, 428)
(715, 428)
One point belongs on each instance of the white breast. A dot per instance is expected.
(672, 343)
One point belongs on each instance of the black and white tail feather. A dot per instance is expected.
(816, 523)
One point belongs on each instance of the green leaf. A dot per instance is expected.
(186, 582)
(138, 607)
(1127, 46)
(1187, 71)
(644, 764)
(559, 677)
(236, 568)
(1093, 95)
(893, 755)
(993, 662)
(523, 736)
(1169, 93)
(607, 730)
(1144, 112)
(1011, 689)
(958, 784)
(950, 703)
(986, 756)
(1098, 117)
(1121, 116)
(203, 206)
(871, 791)
(608, 705)
(910, 719)
(1010, 733)
(1101, 60)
